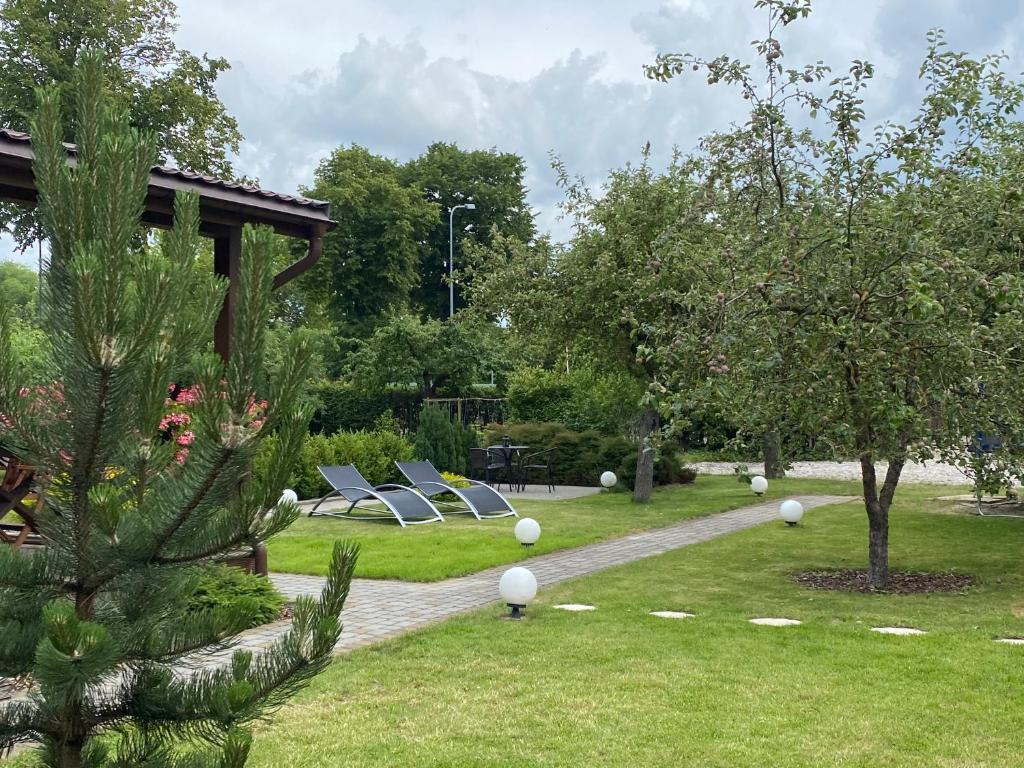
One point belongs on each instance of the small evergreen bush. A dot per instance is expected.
(223, 587)
(443, 442)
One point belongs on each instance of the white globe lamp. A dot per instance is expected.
(758, 485)
(527, 531)
(288, 496)
(791, 511)
(608, 479)
(518, 586)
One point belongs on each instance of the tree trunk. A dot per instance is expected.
(645, 457)
(878, 545)
(70, 755)
(877, 505)
(773, 468)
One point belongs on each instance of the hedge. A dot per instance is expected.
(341, 407)
(579, 458)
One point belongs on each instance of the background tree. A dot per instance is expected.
(93, 621)
(371, 260)
(436, 356)
(165, 90)
(884, 306)
(450, 176)
(18, 287)
(593, 299)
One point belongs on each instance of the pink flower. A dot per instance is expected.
(181, 455)
(188, 396)
(256, 406)
(186, 438)
(256, 423)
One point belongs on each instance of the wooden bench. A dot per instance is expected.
(17, 489)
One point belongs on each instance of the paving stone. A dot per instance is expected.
(898, 630)
(771, 622)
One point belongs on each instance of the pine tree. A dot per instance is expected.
(93, 620)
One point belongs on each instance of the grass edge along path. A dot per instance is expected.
(463, 545)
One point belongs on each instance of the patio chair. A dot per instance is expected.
(491, 465)
(539, 462)
(404, 504)
(482, 501)
(481, 464)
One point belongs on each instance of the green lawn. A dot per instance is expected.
(617, 687)
(463, 545)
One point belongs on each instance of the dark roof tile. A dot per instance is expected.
(201, 178)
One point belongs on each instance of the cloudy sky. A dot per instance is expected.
(533, 77)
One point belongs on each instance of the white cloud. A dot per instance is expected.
(532, 77)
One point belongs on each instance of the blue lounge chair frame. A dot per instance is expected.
(403, 503)
(480, 500)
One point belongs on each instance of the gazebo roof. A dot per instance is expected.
(223, 204)
(224, 208)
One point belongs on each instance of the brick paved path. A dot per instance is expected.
(381, 609)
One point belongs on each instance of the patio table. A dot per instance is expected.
(509, 453)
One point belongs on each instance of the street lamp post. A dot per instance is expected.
(451, 253)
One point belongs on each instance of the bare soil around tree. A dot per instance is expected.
(900, 582)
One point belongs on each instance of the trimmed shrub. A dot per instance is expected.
(667, 471)
(581, 400)
(579, 458)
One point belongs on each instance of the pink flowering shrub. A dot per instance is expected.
(176, 424)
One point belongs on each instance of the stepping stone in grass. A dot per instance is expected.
(672, 614)
(575, 607)
(775, 622)
(897, 630)
(1011, 640)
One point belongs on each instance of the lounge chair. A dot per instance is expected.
(480, 499)
(404, 504)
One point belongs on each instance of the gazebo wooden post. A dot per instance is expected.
(227, 255)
